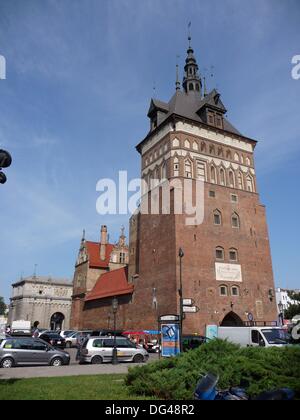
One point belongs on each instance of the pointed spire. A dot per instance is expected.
(83, 236)
(192, 82)
(205, 88)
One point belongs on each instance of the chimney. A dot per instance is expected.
(103, 242)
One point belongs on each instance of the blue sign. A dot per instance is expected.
(212, 331)
(170, 339)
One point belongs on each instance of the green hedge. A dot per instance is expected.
(176, 378)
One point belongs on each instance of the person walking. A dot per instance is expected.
(80, 342)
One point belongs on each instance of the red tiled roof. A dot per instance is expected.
(93, 249)
(113, 283)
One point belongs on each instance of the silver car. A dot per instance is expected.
(97, 350)
(19, 351)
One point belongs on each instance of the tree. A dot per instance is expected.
(2, 306)
(294, 296)
(292, 311)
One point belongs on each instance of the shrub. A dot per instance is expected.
(176, 378)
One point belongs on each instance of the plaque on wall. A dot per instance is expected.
(228, 272)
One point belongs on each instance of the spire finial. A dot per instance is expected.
(34, 273)
(122, 231)
(189, 33)
(83, 236)
(177, 84)
(205, 89)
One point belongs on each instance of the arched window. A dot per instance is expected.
(201, 171)
(191, 86)
(233, 255)
(248, 162)
(240, 181)
(223, 291)
(203, 147)
(158, 174)
(235, 221)
(176, 166)
(187, 144)
(235, 291)
(217, 218)
(222, 177)
(228, 154)
(220, 254)
(176, 143)
(164, 171)
(213, 175)
(249, 181)
(231, 179)
(188, 169)
(212, 149)
(220, 151)
(236, 157)
(195, 145)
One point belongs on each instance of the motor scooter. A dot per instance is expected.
(207, 390)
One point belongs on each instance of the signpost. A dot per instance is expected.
(188, 302)
(191, 309)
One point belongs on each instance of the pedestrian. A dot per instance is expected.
(8, 330)
(80, 342)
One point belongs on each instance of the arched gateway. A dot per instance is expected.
(56, 322)
(232, 320)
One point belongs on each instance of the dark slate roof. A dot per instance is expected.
(188, 105)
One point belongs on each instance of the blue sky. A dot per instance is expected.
(80, 74)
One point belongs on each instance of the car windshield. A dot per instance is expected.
(276, 336)
(54, 335)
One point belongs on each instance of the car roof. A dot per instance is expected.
(110, 337)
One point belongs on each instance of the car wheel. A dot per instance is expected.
(97, 360)
(138, 358)
(7, 363)
(57, 362)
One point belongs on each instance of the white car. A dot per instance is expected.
(67, 333)
(97, 350)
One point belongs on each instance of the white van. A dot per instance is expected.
(21, 327)
(254, 336)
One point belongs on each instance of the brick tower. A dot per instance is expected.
(227, 267)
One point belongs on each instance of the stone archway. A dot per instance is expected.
(56, 322)
(232, 320)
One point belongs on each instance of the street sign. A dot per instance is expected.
(166, 318)
(188, 302)
(191, 309)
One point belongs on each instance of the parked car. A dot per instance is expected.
(97, 350)
(106, 333)
(153, 346)
(73, 339)
(54, 339)
(30, 351)
(67, 333)
(191, 342)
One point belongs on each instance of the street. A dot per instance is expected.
(74, 369)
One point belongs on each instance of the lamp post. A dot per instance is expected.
(115, 305)
(281, 315)
(181, 255)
